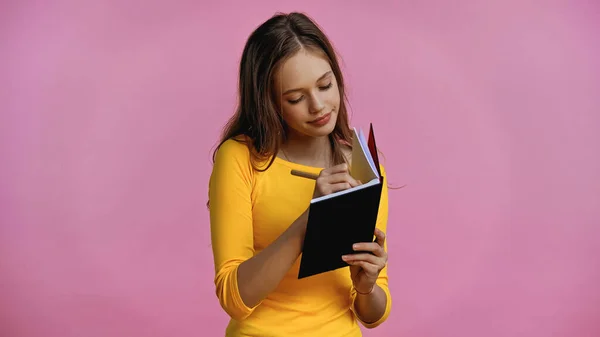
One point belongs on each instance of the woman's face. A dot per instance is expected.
(308, 95)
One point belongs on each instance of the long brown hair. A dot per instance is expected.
(256, 116)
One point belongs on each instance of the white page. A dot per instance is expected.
(365, 146)
(361, 168)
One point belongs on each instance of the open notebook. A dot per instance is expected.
(336, 221)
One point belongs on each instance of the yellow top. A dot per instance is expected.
(249, 210)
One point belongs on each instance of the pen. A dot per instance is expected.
(305, 174)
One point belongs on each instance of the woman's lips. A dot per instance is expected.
(323, 120)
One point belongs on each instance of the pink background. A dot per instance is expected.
(489, 112)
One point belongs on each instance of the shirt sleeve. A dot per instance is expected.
(230, 204)
(382, 280)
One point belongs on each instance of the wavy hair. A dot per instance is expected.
(256, 115)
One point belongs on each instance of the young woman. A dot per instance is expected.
(291, 115)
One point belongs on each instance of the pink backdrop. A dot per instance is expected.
(489, 112)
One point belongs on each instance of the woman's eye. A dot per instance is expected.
(295, 101)
(326, 86)
(298, 100)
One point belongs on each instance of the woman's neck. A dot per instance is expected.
(309, 151)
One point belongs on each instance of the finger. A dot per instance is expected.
(339, 187)
(380, 237)
(369, 268)
(341, 177)
(340, 168)
(372, 247)
(370, 258)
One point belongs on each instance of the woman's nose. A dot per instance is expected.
(316, 104)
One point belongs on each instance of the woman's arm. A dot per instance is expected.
(366, 267)
(261, 274)
(371, 307)
(243, 279)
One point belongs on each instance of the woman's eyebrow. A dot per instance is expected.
(320, 78)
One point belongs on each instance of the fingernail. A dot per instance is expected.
(355, 246)
(344, 257)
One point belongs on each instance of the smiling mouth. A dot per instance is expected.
(321, 118)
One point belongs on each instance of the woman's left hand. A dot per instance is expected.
(365, 266)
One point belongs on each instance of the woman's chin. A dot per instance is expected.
(321, 131)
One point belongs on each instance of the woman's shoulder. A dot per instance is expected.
(235, 146)
(233, 150)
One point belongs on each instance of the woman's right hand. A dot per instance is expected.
(334, 179)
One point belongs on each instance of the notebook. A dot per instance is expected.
(336, 221)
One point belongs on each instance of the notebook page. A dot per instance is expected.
(365, 147)
(362, 167)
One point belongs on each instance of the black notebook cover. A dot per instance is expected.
(335, 224)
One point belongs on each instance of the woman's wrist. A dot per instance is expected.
(371, 307)
(365, 293)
